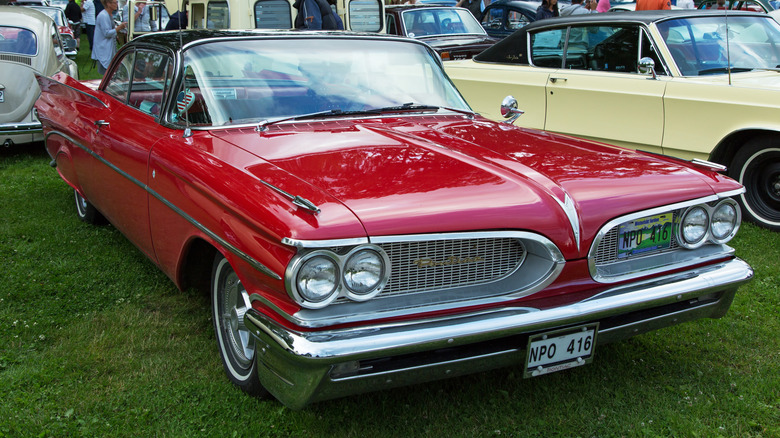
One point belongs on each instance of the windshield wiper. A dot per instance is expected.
(716, 70)
(407, 107)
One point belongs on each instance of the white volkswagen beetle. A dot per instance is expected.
(29, 44)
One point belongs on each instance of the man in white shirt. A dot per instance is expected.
(88, 15)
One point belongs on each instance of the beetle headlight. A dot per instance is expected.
(364, 272)
(725, 221)
(317, 281)
(693, 227)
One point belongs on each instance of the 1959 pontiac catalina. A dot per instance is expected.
(358, 227)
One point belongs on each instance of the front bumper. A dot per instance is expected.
(299, 368)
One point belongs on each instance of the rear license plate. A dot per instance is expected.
(560, 350)
(2, 96)
(649, 233)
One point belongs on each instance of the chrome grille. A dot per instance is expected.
(443, 264)
(606, 252)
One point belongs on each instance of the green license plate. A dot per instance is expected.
(651, 233)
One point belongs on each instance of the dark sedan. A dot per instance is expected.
(503, 17)
(453, 32)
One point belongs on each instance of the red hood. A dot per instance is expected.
(447, 173)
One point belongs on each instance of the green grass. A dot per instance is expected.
(95, 341)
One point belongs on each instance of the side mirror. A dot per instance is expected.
(647, 67)
(509, 109)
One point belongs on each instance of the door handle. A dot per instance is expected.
(99, 124)
(554, 80)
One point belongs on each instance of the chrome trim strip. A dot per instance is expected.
(314, 244)
(653, 211)
(21, 128)
(570, 209)
(296, 200)
(306, 357)
(255, 264)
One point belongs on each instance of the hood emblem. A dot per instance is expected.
(427, 262)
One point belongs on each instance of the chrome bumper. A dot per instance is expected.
(20, 128)
(303, 367)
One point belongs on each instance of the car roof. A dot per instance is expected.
(175, 40)
(29, 18)
(646, 17)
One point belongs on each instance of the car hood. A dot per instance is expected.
(20, 91)
(448, 173)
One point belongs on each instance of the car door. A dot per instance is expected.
(599, 93)
(123, 141)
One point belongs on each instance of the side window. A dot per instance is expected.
(517, 20)
(15, 40)
(493, 19)
(391, 29)
(365, 15)
(151, 77)
(606, 48)
(649, 51)
(273, 14)
(218, 16)
(55, 40)
(547, 48)
(119, 82)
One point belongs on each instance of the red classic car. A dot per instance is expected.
(358, 227)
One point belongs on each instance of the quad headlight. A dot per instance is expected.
(315, 279)
(702, 223)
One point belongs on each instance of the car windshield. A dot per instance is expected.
(54, 14)
(714, 45)
(440, 21)
(234, 82)
(17, 40)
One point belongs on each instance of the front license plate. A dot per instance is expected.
(649, 233)
(560, 350)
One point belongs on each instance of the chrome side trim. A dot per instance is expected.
(20, 128)
(314, 244)
(230, 247)
(656, 268)
(296, 200)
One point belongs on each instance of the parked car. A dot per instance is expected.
(358, 227)
(453, 32)
(63, 27)
(503, 17)
(741, 5)
(687, 103)
(29, 45)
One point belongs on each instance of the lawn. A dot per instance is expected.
(95, 341)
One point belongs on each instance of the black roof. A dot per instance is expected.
(175, 40)
(646, 17)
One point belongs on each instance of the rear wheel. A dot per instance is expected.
(757, 167)
(229, 303)
(87, 212)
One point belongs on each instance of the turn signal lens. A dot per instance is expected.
(694, 226)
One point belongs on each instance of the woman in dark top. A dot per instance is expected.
(548, 9)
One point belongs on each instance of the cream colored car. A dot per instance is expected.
(690, 84)
(29, 45)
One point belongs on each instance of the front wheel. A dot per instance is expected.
(229, 303)
(757, 167)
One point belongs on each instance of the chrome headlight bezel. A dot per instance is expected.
(341, 258)
(731, 204)
(705, 226)
(709, 236)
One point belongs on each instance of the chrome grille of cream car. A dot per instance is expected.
(443, 264)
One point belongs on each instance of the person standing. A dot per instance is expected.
(73, 14)
(105, 36)
(476, 7)
(88, 15)
(548, 9)
(576, 8)
(650, 5)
